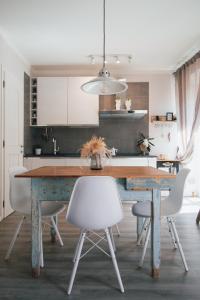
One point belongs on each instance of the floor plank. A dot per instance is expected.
(96, 278)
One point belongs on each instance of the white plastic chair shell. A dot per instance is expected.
(171, 204)
(20, 196)
(20, 200)
(20, 191)
(95, 203)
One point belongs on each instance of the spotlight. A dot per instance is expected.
(92, 59)
(117, 60)
(130, 59)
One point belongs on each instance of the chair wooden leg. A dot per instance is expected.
(57, 231)
(171, 232)
(145, 245)
(14, 238)
(179, 245)
(80, 246)
(114, 260)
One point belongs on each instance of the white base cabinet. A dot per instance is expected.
(134, 161)
(36, 162)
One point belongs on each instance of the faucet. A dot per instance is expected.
(55, 147)
(114, 151)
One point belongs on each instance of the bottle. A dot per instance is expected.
(128, 103)
(117, 104)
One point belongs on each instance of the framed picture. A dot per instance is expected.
(169, 116)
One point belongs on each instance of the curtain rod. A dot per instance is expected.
(189, 62)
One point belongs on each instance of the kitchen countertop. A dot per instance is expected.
(74, 155)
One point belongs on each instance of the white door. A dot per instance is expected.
(1, 145)
(13, 132)
(51, 101)
(83, 108)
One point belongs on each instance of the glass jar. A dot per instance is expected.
(96, 162)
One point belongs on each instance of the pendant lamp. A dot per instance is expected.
(104, 84)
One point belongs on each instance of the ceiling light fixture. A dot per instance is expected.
(104, 84)
(117, 60)
(130, 58)
(92, 59)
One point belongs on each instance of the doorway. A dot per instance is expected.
(11, 133)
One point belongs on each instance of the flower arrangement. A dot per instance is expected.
(95, 149)
(144, 143)
(95, 146)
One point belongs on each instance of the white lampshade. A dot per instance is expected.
(104, 86)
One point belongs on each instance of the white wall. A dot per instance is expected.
(11, 62)
(161, 100)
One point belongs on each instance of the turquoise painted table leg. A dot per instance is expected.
(36, 231)
(155, 234)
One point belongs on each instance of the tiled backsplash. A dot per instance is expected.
(121, 133)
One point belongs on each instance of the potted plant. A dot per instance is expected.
(95, 149)
(144, 143)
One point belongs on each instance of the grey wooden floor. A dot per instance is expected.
(96, 278)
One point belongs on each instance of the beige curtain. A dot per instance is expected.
(187, 81)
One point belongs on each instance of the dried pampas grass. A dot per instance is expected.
(95, 146)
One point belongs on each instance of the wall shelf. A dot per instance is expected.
(160, 121)
(163, 122)
(33, 104)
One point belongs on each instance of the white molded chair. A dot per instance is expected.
(94, 205)
(20, 200)
(170, 206)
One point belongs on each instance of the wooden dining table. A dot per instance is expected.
(55, 183)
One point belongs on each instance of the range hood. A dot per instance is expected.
(135, 114)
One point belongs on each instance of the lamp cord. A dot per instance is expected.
(104, 33)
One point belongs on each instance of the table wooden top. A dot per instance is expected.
(116, 172)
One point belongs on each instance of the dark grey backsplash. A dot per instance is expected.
(121, 133)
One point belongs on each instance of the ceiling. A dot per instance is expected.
(157, 33)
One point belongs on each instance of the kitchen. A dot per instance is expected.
(38, 131)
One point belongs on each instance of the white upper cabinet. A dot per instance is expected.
(52, 100)
(83, 108)
(60, 101)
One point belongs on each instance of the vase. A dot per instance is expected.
(143, 149)
(128, 104)
(118, 104)
(96, 162)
